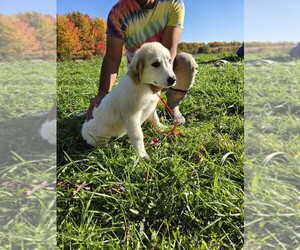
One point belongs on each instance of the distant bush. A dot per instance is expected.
(205, 49)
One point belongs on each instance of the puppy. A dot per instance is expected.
(134, 100)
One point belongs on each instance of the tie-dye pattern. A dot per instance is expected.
(135, 25)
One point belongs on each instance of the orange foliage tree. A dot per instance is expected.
(68, 44)
(27, 36)
(88, 32)
(85, 32)
(45, 31)
(99, 28)
(18, 39)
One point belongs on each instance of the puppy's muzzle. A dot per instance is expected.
(171, 81)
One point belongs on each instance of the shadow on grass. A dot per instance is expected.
(27, 185)
(69, 139)
(20, 136)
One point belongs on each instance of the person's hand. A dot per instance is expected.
(93, 104)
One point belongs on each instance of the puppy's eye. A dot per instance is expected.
(155, 64)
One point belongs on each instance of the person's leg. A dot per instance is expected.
(185, 69)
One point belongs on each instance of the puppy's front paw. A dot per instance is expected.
(144, 156)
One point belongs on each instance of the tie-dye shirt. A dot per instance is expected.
(135, 25)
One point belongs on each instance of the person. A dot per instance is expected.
(240, 51)
(134, 22)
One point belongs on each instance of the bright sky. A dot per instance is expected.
(272, 20)
(9, 7)
(205, 20)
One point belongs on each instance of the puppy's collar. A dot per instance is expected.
(155, 88)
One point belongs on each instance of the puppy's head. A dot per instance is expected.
(151, 64)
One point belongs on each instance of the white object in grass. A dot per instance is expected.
(48, 131)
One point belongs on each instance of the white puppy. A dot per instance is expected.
(134, 100)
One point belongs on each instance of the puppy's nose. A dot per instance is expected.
(171, 80)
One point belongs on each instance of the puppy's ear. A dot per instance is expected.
(135, 70)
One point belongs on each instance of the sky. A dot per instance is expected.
(205, 20)
(9, 7)
(272, 20)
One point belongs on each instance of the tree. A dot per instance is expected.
(99, 28)
(44, 26)
(182, 47)
(83, 30)
(86, 36)
(68, 43)
(18, 39)
(204, 49)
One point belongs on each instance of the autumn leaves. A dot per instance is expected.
(79, 36)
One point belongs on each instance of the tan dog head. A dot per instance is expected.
(185, 68)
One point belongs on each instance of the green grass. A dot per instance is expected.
(27, 163)
(189, 196)
(272, 153)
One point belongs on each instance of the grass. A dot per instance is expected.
(27, 163)
(272, 153)
(189, 196)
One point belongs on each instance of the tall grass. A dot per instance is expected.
(189, 196)
(27, 163)
(272, 153)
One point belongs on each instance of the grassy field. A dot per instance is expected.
(189, 196)
(27, 163)
(272, 125)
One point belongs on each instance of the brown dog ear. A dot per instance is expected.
(135, 70)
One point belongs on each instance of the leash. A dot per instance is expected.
(173, 130)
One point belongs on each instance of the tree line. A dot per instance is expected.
(80, 36)
(32, 35)
(207, 48)
(27, 35)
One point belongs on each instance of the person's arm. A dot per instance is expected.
(110, 64)
(109, 71)
(170, 40)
